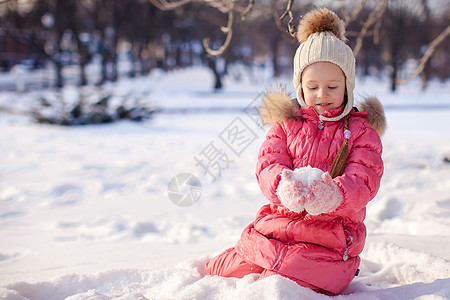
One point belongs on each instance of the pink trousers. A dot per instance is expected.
(230, 264)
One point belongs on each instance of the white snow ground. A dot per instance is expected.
(85, 214)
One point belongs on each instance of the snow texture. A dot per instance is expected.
(84, 211)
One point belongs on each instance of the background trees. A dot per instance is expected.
(396, 37)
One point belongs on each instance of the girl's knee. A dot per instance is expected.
(230, 264)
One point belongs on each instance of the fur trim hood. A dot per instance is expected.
(279, 106)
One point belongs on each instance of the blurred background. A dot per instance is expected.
(100, 41)
(85, 211)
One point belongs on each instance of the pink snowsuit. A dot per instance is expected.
(319, 252)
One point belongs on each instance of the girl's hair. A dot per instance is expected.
(339, 161)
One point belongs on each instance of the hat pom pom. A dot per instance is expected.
(321, 20)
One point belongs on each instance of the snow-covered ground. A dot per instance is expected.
(85, 212)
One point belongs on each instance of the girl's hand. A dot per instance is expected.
(291, 192)
(325, 196)
(286, 174)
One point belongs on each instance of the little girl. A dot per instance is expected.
(319, 167)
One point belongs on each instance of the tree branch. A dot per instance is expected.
(350, 18)
(245, 13)
(284, 33)
(376, 31)
(374, 16)
(164, 5)
(292, 29)
(224, 6)
(426, 57)
(228, 30)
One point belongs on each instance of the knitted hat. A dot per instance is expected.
(322, 39)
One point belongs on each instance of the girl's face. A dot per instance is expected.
(323, 86)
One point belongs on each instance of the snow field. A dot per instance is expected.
(84, 212)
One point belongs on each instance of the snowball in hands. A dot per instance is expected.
(291, 191)
(325, 196)
(308, 189)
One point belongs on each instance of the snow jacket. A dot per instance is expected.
(321, 251)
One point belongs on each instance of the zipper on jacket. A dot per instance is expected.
(345, 256)
(320, 126)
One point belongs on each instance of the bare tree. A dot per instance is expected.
(431, 48)
(76, 23)
(402, 27)
(24, 28)
(52, 18)
(111, 21)
(374, 18)
(430, 44)
(226, 7)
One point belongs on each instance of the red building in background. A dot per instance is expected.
(20, 50)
